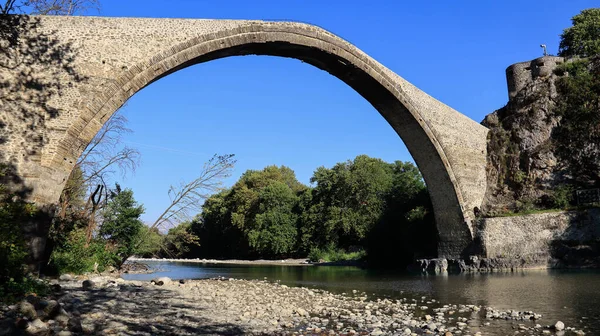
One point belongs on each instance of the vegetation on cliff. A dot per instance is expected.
(545, 143)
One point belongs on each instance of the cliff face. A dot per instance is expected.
(522, 168)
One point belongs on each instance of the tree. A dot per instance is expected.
(347, 201)
(255, 218)
(272, 231)
(577, 137)
(86, 190)
(8, 7)
(188, 197)
(219, 238)
(583, 38)
(122, 224)
(406, 229)
(178, 241)
(49, 7)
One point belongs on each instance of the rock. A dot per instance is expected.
(27, 309)
(56, 288)
(64, 333)
(65, 277)
(7, 327)
(301, 312)
(51, 309)
(376, 332)
(38, 324)
(88, 285)
(62, 319)
(559, 326)
(448, 333)
(161, 281)
(74, 325)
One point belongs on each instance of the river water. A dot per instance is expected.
(571, 296)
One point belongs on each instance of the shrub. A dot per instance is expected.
(562, 197)
(75, 257)
(331, 254)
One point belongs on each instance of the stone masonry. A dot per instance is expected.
(62, 77)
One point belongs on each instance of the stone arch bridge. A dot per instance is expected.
(61, 78)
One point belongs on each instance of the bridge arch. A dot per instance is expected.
(412, 114)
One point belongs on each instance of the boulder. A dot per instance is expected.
(88, 285)
(74, 325)
(559, 326)
(51, 309)
(27, 309)
(62, 319)
(161, 281)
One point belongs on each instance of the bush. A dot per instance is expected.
(13, 251)
(75, 257)
(562, 197)
(332, 254)
(14, 290)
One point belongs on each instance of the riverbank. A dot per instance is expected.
(113, 306)
(259, 262)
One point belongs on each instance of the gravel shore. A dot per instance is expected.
(113, 306)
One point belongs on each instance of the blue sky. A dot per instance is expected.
(270, 110)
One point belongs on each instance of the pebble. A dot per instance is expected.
(559, 326)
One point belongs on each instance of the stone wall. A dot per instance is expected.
(538, 235)
(519, 75)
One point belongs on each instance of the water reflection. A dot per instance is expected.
(567, 295)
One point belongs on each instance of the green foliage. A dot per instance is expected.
(562, 197)
(583, 38)
(75, 256)
(525, 206)
(406, 230)
(330, 253)
(16, 288)
(178, 240)
(14, 212)
(354, 204)
(347, 201)
(272, 231)
(577, 137)
(520, 176)
(150, 242)
(255, 218)
(121, 225)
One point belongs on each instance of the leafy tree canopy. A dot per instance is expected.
(583, 38)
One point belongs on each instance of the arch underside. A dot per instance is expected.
(375, 86)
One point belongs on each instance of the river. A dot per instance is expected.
(571, 296)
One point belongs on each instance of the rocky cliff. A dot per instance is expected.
(524, 169)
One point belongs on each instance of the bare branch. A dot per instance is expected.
(9, 7)
(62, 7)
(188, 197)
